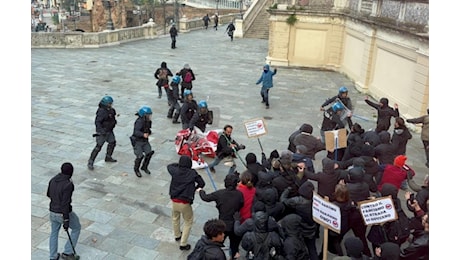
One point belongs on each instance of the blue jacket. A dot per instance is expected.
(267, 77)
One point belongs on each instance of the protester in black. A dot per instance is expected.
(162, 74)
(230, 29)
(384, 112)
(60, 190)
(173, 34)
(105, 123)
(187, 75)
(228, 202)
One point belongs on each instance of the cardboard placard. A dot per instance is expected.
(326, 214)
(330, 136)
(377, 211)
(255, 127)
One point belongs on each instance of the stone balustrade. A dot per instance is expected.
(149, 30)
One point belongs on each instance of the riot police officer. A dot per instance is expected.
(140, 140)
(188, 109)
(201, 117)
(105, 123)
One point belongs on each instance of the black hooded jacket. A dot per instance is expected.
(162, 82)
(228, 200)
(401, 136)
(294, 245)
(385, 151)
(261, 240)
(327, 179)
(384, 112)
(185, 180)
(60, 189)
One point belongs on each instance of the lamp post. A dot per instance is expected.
(241, 9)
(217, 6)
(109, 19)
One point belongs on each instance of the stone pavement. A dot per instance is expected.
(125, 217)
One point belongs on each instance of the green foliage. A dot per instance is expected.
(292, 19)
(274, 6)
(55, 19)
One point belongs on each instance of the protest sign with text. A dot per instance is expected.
(326, 213)
(378, 210)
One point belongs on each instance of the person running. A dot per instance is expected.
(230, 29)
(267, 83)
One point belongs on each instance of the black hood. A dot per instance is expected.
(185, 162)
(306, 190)
(263, 179)
(251, 158)
(291, 224)
(163, 65)
(384, 102)
(260, 221)
(328, 165)
(356, 174)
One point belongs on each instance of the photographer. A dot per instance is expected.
(226, 147)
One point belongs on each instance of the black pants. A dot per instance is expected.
(173, 42)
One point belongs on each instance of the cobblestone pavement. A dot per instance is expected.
(125, 217)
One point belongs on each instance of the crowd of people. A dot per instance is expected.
(266, 208)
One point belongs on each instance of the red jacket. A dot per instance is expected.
(248, 195)
(394, 175)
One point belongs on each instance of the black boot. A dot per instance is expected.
(176, 117)
(92, 157)
(146, 162)
(108, 156)
(137, 164)
(170, 113)
(90, 165)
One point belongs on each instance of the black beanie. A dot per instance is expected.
(67, 168)
(354, 247)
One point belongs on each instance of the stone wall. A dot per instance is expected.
(383, 61)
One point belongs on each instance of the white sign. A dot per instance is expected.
(377, 211)
(255, 127)
(326, 213)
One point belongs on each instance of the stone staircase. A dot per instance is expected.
(259, 28)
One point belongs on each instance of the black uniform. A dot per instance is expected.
(331, 121)
(187, 111)
(199, 120)
(105, 123)
(141, 144)
(173, 100)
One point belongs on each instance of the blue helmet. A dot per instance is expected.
(176, 79)
(106, 100)
(202, 104)
(337, 106)
(343, 89)
(145, 110)
(187, 92)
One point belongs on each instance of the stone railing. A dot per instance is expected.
(115, 37)
(92, 39)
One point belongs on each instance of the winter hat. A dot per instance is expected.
(390, 251)
(251, 158)
(186, 66)
(328, 165)
(354, 247)
(67, 168)
(400, 160)
(306, 128)
(306, 190)
(185, 161)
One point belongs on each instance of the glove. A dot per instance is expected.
(66, 224)
(236, 216)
